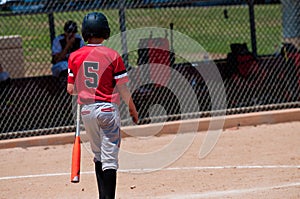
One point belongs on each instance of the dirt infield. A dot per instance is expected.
(247, 162)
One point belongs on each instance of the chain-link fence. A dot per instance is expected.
(235, 57)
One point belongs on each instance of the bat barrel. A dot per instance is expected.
(75, 169)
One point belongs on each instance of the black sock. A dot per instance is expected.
(99, 175)
(109, 179)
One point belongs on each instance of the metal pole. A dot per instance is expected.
(122, 21)
(252, 27)
(51, 26)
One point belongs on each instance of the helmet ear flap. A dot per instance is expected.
(85, 37)
(106, 34)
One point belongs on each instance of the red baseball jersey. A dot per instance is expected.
(95, 70)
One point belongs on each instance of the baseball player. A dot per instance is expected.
(98, 75)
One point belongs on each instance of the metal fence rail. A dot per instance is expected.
(185, 59)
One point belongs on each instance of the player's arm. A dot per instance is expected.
(126, 96)
(71, 89)
(70, 39)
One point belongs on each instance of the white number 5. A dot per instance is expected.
(90, 72)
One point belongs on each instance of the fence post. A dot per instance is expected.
(252, 27)
(122, 21)
(51, 27)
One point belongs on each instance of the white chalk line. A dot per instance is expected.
(218, 194)
(162, 169)
(216, 168)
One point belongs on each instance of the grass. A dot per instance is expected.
(206, 26)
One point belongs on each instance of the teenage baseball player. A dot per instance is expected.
(98, 75)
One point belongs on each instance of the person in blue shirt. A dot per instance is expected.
(62, 46)
(4, 75)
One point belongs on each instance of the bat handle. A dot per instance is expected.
(78, 120)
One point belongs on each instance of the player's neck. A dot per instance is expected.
(95, 40)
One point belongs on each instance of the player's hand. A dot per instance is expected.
(134, 115)
(70, 38)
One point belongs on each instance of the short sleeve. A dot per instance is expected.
(71, 76)
(56, 47)
(120, 72)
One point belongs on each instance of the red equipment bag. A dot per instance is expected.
(242, 61)
(157, 54)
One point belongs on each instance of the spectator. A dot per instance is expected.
(62, 46)
(4, 75)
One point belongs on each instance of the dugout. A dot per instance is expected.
(38, 101)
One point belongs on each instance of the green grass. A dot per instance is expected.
(204, 25)
(268, 28)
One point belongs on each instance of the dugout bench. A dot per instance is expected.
(42, 102)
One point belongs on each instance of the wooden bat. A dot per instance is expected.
(75, 172)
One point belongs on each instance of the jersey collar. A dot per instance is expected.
(94, 44)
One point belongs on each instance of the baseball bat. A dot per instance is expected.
(75, 169)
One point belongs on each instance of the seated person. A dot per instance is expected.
(62, 46)
(4, 75)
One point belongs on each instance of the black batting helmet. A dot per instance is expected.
(70, 27)
(95, 24)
